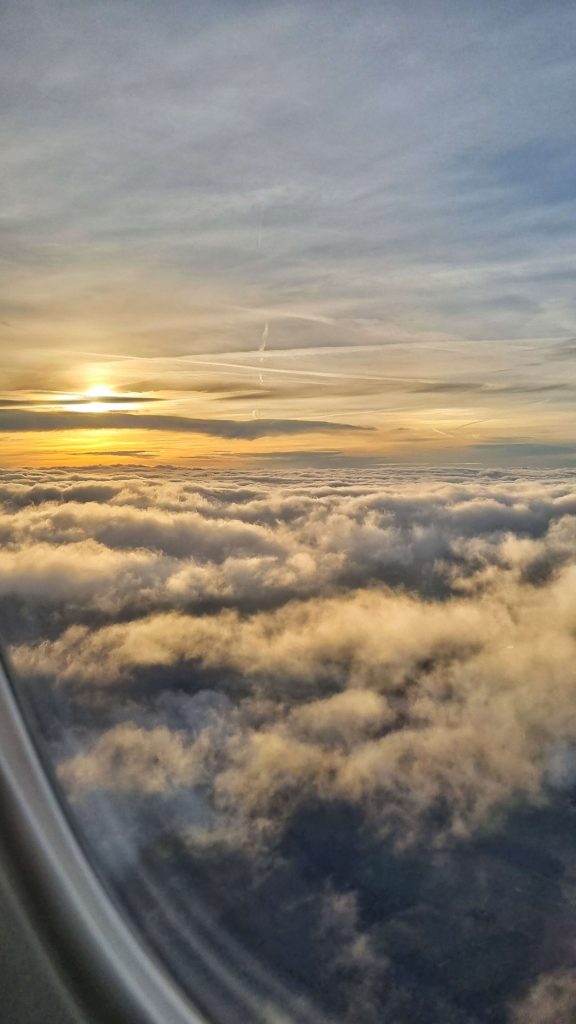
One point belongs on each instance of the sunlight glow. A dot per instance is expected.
(98, 391)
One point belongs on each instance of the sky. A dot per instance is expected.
(307, 234)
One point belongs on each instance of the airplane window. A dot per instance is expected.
(288, 508)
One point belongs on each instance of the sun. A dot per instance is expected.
(96, 398)
(98, 391)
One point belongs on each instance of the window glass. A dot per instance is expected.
(287, 521)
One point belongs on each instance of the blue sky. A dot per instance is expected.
(292, 212)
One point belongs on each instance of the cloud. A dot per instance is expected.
(21, 420)
(528, 447)
(349, 693)
(128, 759)
(463, 741)
(551, 999)
(343, 717)
(27, 404)
(158, 541)
(343, 670)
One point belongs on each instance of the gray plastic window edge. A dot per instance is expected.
(107, 970)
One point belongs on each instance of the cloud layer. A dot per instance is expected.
(353, 696)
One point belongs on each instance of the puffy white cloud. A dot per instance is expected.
(82, 573)
(142, 541)
(342, 718)
(469, 696)
(459, 699)
(129, 759)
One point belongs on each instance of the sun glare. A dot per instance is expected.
(98, 391)
(94, 399)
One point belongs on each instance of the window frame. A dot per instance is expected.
(110, 974)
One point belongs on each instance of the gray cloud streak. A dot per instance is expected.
(23, 420)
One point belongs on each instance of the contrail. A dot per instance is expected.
(262, 349)
(193, 361)
(264, 339)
